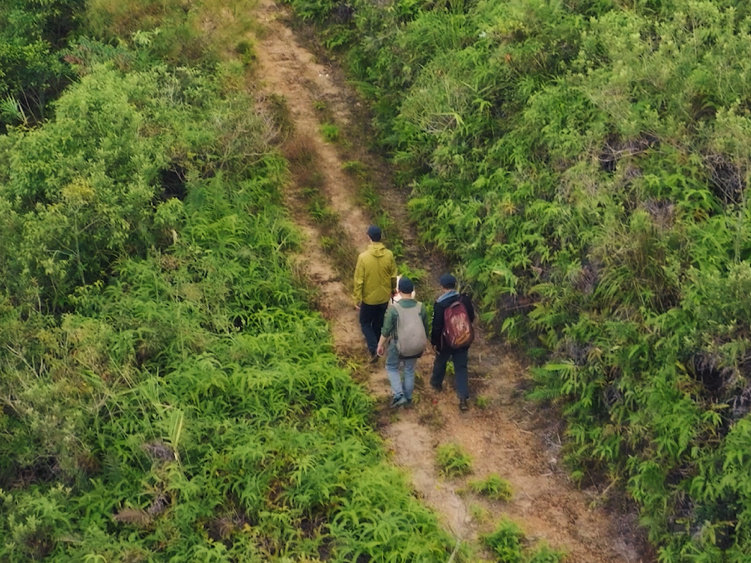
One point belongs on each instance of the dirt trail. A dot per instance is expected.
(508, 436)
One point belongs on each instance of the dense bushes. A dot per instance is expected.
(32, 71)
(587, 164)
(166, 391)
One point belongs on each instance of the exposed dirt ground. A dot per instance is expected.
(504, 434)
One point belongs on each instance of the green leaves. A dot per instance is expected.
(159, 358)
(586, 166)
(82, 188)
(31, 72)
(493, 486)
(453, 461)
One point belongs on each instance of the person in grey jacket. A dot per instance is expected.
(402, 390)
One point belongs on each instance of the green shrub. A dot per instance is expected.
(493, 486)
(34, 71)
(330, 132)
(453, 461)
(546, 554)
(247, 52)
(169, 392)
(585, 165)
(482, 401)
(479, 513)
(506, 542)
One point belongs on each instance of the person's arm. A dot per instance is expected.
(470, 309)
(388, 328)
(381, 349)
(359, 279)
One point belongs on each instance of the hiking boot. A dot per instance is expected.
(398, 401)
(463, 405)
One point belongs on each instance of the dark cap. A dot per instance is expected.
(374, 232)
(405, 285)
(447, 281)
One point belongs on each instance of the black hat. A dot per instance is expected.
(447, 281)
(374, 232)
(405, 285)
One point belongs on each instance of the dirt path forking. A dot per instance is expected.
(508, 436)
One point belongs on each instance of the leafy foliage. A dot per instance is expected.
(167, 392)
(587, 163)
(32, 72)
(453, 461)
(506, 542)
(493, 486)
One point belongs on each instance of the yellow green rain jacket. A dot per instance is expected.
(375, 275)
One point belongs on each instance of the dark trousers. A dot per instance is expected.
(371, 323)
(461, 377)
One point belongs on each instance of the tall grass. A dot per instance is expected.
(586, 165)
(168, 392)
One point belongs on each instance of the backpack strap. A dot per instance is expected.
(397, 308)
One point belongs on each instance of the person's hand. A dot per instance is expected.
(379, 350)
(357, 306)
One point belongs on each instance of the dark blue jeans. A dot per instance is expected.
(461, 377)
(371, 323)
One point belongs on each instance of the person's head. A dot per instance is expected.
(374, 233)
(447, 281)
(405, 285)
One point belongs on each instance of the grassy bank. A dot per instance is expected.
(167, 391)
(586, 166)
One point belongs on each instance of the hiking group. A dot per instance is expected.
(401, 331)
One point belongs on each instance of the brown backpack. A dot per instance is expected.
(457, 328)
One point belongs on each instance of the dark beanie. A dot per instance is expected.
(374, 232)
(406, 285)
(447, 281)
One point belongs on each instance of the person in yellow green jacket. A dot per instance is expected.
(375, 282)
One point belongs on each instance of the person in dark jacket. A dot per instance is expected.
(444, 353)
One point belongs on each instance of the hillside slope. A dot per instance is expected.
(505, 435)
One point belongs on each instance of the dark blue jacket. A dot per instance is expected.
(439, 307)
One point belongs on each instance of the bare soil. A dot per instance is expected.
(502, 432)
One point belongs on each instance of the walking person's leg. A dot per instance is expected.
(368, 316)
(409, 378)
(439, 370)
(392, 370)
(461, 376)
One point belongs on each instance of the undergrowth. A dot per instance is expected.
(167, 391)
(509, 545)
(453, 461)
(493, 486)
(586, 165)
